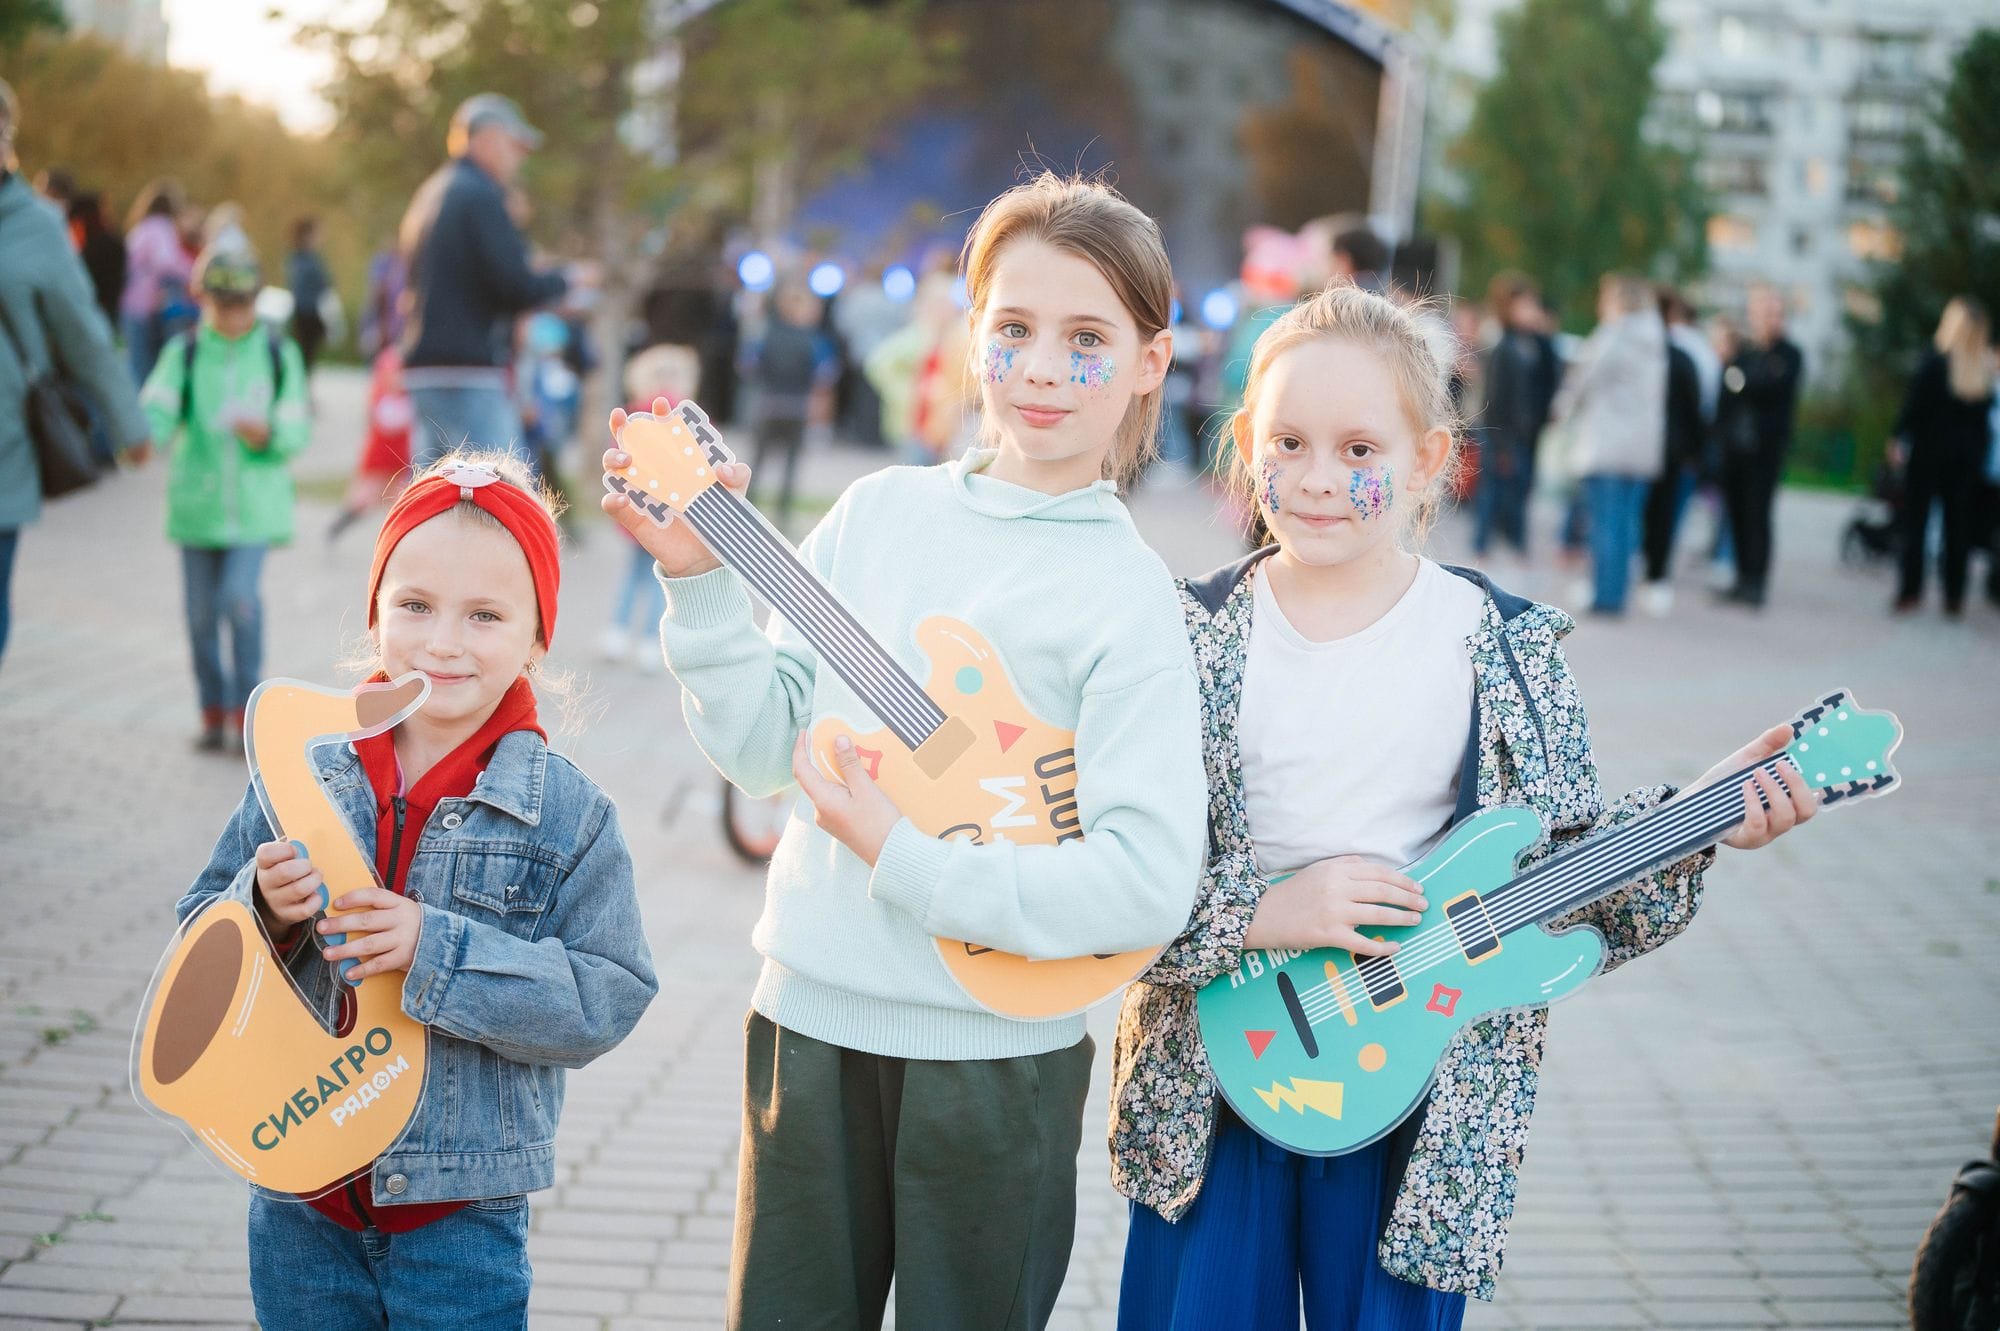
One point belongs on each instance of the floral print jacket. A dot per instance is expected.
(1449, 1188)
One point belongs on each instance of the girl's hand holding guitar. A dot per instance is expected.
(854, 810)
(1331, 903)
(677, 549)
(1771, 806)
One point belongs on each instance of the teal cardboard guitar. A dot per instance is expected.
(1323, 1053)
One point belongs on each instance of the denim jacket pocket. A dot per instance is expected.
(511, 885)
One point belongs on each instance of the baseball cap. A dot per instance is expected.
(490, 108)
(227, 270)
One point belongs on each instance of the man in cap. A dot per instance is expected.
(469, 278)
(49, 320)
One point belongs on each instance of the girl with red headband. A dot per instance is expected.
(507, 903)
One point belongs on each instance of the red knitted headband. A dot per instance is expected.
(518, 511)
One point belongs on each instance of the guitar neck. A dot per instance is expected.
(764, 559)
(1608, 862)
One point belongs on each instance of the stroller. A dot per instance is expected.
(1871, 536)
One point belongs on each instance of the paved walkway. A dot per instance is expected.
(1750, 1129)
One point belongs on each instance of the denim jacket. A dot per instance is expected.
(1452, 1165)
(531, 959)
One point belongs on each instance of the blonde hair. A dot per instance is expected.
(1964, 336)
(1403, 331)
(1092, 221)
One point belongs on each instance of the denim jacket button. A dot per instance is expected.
(452, 820)
(396, 1185)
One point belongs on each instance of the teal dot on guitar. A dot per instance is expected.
(969, 680)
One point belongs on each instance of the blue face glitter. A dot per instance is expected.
(1371, 490)
(1272, 473)
(1093, 372)
(999, 362)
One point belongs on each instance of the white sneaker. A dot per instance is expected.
(647, 656)
(615, 645)
(1657, 599)
(1582, 592)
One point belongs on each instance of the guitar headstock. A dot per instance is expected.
(1843, 750)
(674, 458)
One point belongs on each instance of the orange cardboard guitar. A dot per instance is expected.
(226, 1047)
(963, 758)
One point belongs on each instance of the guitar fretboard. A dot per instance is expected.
(738, 536)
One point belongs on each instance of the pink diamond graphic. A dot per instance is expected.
(1444, 999)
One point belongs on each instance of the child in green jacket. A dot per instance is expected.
(231, 396)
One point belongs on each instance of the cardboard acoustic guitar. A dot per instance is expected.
(1324, 1052)
(226, 1047)
(962, 758)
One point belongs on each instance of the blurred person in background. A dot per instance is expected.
(1521, 376)
(469, 277)
(1944, 438)
(156, 270)
(102, 251)
(49, 321)
(1686, 440)
(1770, 369)
(1614, 399)
(865, 315)
(310, 284)
(790, 363)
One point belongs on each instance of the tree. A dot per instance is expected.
(116, 122)
(770, 87)
(1561, 178)
(782, 94)
(1947, 211)
(19, 18)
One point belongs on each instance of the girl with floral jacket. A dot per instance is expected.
(1357, 700)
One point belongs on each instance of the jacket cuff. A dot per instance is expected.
(440, 944)
(907, 871)
(705, 600)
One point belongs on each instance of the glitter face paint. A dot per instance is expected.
(999, 362)
(1273, 472)
(1371, 490)
(1093, 372)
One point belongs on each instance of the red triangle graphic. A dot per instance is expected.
(873, 760)
(1259, 1042)
(1008, 733)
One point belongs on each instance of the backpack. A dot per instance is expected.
(187, 370)
(1955, 1280)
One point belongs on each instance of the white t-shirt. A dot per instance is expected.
(1353, 747)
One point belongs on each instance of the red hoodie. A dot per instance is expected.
(400, 818)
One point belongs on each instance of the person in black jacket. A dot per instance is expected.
(1765, 376)
(1521, 377)
(468, 278)
(1686, 437)
(1943, 434)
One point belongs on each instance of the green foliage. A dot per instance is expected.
(1562, 180)
(1948, 213)
(19, 18)
(117, 122)
(780, 95)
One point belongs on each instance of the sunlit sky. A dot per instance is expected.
(244, 50)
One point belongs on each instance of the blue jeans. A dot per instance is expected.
(10, 538)
(221, 586)
(1614, 503)
(1269, 1231)
(640, 591)
(476, 418)
(468, 1270)
(142, 344)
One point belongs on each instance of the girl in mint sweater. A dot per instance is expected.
(892, 1126)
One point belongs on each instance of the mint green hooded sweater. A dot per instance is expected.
(1084, 618)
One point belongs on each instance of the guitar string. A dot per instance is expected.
(812, 613)
(1549, 887)
(836, 634)
(914, 707)
(1440, 942)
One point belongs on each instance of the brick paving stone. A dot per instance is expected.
(144, 1308)
(79, 1305)
(1737, 1108)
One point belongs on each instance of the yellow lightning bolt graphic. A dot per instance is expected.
(1303, 1094)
